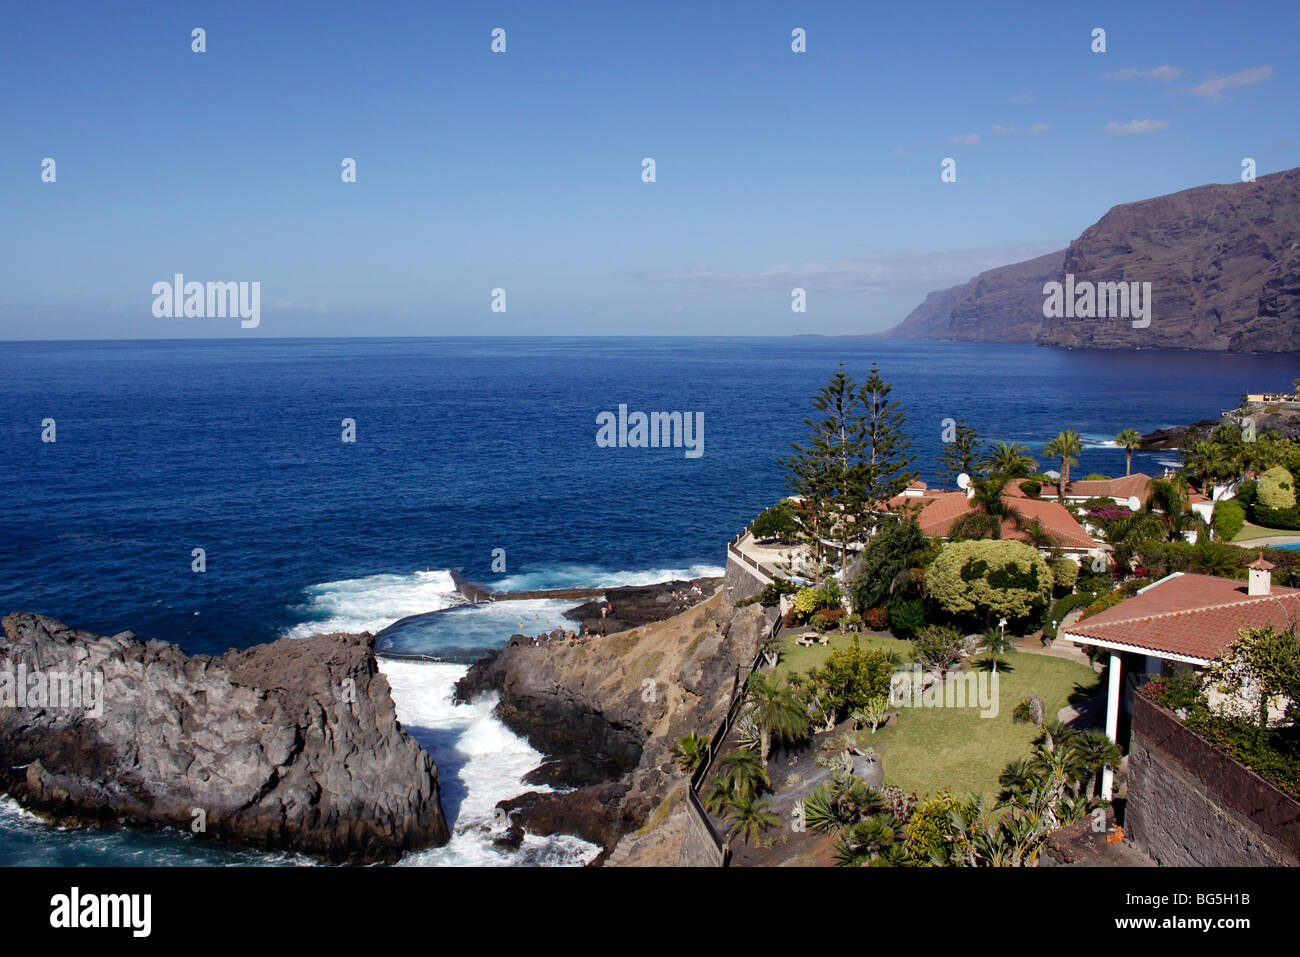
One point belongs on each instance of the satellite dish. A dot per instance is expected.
(963, 481)
(1134, 503)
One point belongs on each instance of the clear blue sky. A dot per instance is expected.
(522, 170)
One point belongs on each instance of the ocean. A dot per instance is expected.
(468, 454)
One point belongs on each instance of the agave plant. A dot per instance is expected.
(748, 735)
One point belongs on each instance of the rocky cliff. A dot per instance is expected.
(998, 305)
(1223, 262)
(607, 710)
(291, 745)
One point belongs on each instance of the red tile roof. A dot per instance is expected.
(1195, 616)
(1118, 488)
(941, 509)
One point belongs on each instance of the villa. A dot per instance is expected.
(939, 510)
(1181, 621)
(1120, 489)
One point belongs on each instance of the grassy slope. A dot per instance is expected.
(933, 748)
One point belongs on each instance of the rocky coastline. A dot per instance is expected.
(292, 745)
(606, 710)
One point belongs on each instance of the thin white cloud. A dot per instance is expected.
(970, 139)
(1162, 74)
(895, 273)
(1138, 126)
(1025, 97)
(1034, 130)
(1212, 87)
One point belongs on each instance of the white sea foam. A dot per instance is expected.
(592, 576)
(372, 603)
(480, 763)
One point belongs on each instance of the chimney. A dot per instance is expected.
(1261, 577)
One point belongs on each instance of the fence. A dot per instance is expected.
(765, 573)
(720, 851)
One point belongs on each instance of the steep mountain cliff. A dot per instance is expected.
(1223, 263)
(998, 305)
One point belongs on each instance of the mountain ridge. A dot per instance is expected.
(1223, 261)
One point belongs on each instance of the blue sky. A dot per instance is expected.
(522, 170)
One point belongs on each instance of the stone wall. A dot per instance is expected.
(1191, 804)
(699, 849)
(740, 581)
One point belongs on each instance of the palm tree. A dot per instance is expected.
(873, 842)
(1010, 459)
(1096, 752)
(1065, 447)
(742, 775)
(750, 818)
(1168, 500)
(1128, 440)
(1036, 534)
(690, 751)
(776, 710)
(996, 643)
(990, 510)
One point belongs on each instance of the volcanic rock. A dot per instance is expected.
(291, 745)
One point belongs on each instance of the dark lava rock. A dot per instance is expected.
(636, 605)
(1179, 436)
(292, 745)
(511, 840)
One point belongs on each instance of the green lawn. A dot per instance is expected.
(929, 749)
(934, 748)
(1250, 533)
(799, 659)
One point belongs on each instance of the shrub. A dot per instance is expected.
(771, 594)
(1247, 492)
(877, 619)
(827, 619)
(990, 577)
(889, 553)
(776, 522)
(1063, 608)
(1177, 692)
(1028, 711)
(1031, 487)
(937, 648)
(805, 600)
(1288, 518)
(1065, 573)
(857, 675)
(1094, 477)
(1277, 489)
(930, 827)
(906, 617)
(1229, 517)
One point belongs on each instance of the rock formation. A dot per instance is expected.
(998, 305)
(291, 745)
(1223, 262)
(607, 711)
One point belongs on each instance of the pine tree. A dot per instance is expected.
(962, 454)
(827, 471)
(887, 468)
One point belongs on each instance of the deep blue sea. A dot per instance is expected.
(463, 446)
